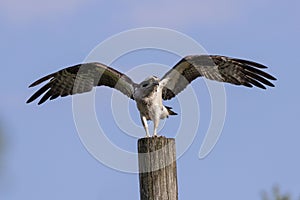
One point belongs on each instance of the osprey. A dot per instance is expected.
(150, 93)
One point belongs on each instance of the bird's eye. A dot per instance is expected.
(145, 85)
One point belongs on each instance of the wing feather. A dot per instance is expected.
(214, 67)
(79, 79)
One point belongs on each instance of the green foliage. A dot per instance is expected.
(1, 145)
(1, 149)
(276, 195)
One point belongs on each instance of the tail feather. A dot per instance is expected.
(170, 111)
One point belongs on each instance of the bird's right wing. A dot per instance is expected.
(82, 78)
(219, 68)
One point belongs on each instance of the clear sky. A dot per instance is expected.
(43, 157)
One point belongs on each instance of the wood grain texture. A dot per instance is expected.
(157, 168)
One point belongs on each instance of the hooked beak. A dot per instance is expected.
(155, 83)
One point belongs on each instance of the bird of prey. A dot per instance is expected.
(150, 93)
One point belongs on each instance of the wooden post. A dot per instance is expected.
(157, 168)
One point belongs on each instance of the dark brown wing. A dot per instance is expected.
(82, 78)
(219, 68)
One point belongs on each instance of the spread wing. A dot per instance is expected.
(82, 78)
(219, 68)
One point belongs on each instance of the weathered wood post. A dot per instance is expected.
(157, 168)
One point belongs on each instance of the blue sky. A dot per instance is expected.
(43, 156)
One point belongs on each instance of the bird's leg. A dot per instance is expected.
(145, 124)
(155, 124)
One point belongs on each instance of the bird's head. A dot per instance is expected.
(148, 86)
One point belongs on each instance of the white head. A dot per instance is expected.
(148, 86)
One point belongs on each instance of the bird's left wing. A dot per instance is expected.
(218, 68)
(82, 78)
